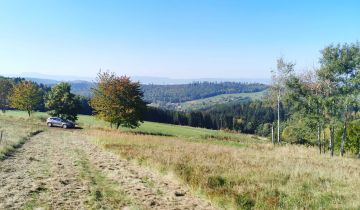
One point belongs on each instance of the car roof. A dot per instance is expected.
(56, 118)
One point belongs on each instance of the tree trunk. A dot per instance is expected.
(331, 142)
(272, 133)
(278, 113)
(324, 140)
(342, 149)
(359, 149)
(318, 137)
(233, 123)
(221, 122)
(29, 112)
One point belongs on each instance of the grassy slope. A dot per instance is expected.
(159, 129)
(220, 99)
(258, 175)
(12, 135)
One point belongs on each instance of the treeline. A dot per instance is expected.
(197, 90)
(254, 117)
(115, 99)
(33, 96)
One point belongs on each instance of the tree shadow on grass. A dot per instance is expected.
(149, 133)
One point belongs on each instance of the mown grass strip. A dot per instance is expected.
(102, 194)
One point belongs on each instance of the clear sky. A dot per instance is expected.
(170, 38)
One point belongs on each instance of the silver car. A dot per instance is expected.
(59, 122)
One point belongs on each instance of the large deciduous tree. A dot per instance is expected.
(339, 70)
(305, 98)
(25, 96)
(62, 103)
(118, 100)
(5, 90)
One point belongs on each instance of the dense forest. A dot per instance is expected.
(251, 117)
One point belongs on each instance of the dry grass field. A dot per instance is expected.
(260, 176)
(233, 171)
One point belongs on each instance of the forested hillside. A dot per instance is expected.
(163, 94)
(180, 93)
(193, 91)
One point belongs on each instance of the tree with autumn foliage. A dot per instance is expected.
(25, 96)
(118, 100)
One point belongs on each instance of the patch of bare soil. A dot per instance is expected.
(60, 169)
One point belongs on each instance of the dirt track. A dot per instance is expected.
(60, 169)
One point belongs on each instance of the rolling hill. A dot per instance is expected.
(202, 104)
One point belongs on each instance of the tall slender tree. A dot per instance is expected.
(278, 86)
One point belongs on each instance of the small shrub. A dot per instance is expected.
(185, 171)
(244, 201)
(216, 182)
(217, 137)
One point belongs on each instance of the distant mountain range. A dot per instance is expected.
(53, 79)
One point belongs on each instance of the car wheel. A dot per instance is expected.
(64, 126)
(49, 125)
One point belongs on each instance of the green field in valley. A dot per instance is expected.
(220, 99)
(209, 102)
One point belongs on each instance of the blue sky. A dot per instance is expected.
(177, 39)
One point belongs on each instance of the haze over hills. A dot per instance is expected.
(53, 79)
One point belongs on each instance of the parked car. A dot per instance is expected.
(59, 122)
